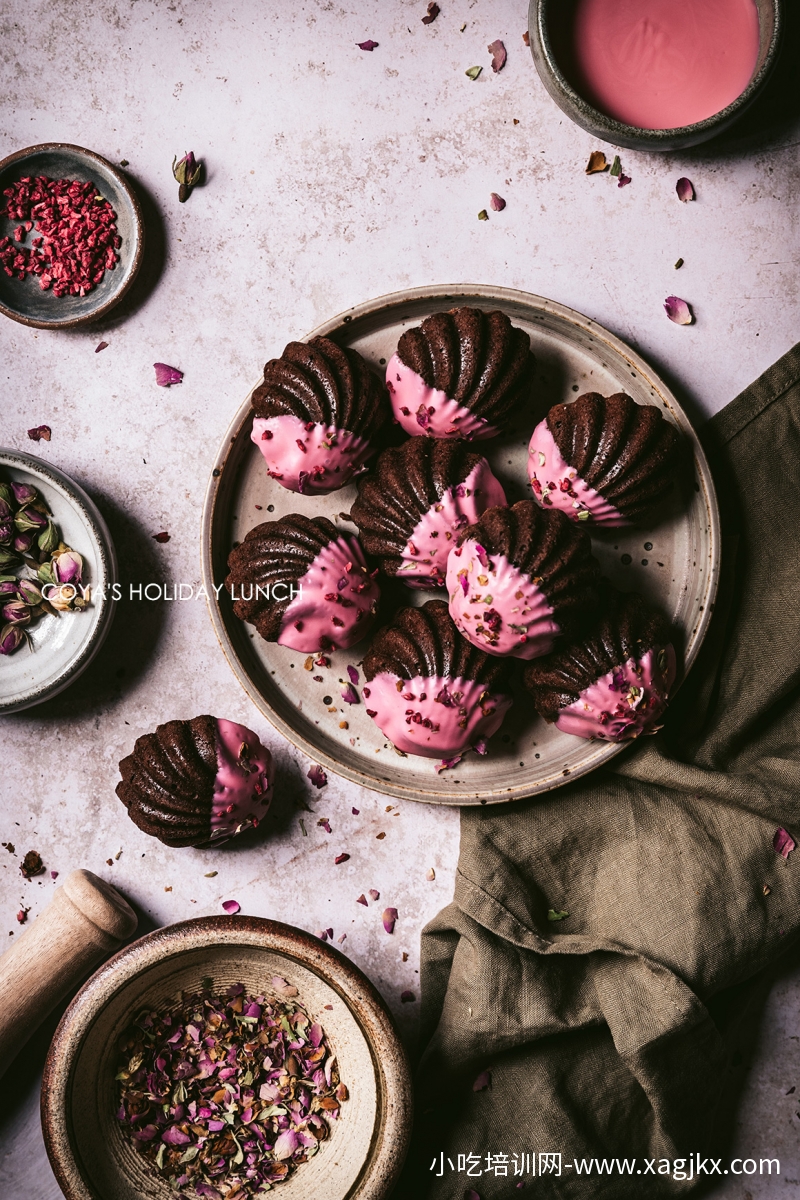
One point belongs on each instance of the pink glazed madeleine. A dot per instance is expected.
(520, 578)
(428, 690)
(614, 683)
(303, 583)
(604, 460)
(460, 374)
(315, 414)
(198, 782)
(414, 503)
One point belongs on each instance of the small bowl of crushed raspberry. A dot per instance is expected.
(71, 236)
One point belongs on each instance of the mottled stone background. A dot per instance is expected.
(333, 175)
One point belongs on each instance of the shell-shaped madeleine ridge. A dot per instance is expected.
(425, 642)
(405, 482)
(627, 628)
(545, 545)
(275, 552)
(322, 382)
(626, 451)
(167, 781)
(479, 359)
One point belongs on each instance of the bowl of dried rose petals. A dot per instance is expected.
(221, 1058)
(71, 236)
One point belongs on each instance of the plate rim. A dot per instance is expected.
(138, 222)
(497, 295)
(107, 604)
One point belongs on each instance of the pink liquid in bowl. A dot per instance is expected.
(658, 64)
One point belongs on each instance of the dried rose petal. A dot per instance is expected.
(526, 37)
(499, 56)
(783, 843)
(22, 915)
(362, 899)
(483, 1081)
(433, 12)
(340, 858)
(373, 894)
(40, 433)
(624, 180)
(162, 537)
(497, 202)
(447, 763)
(597, 162)
(100, 346)
(480, 746)
(353, 673)
(349, 694)
(166, 375)
(325, 823)
(317, 776)
(684, 189)
(231, 906)
(389, 917)
(355, 811)
(471, 1194)
(678, 311)
(430, 873)
(368, 45)
(407, 997)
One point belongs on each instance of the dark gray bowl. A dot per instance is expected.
(771, 21)
(22, 299)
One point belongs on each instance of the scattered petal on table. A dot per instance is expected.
(783, 843)
(678, 310)
(685, 190)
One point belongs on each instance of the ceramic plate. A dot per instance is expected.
(61, 647)
(673, 562)
(22, 299)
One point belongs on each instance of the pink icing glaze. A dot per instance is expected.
(423, 410)
(243, 786)
(626, 702)
(496, 607)
(314, 460)
(660, 64)
(425, 556)
(435, 716)
(336, 601)
(556, 484)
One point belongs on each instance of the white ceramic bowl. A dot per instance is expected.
(61, 646)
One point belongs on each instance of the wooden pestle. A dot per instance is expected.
(85, 921)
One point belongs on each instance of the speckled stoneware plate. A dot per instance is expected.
(674, 562)
(23, 299)
(88, 1152)
(61, 647)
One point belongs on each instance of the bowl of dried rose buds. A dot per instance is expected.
(71, 236)
(58, 580)
(222, 1058)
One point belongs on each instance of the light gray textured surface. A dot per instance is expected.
(334, 175)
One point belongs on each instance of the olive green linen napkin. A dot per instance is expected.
(604, 1032)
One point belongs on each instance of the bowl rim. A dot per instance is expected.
(107, 602)
(125, 186)
(393, 1077)
(633, 137)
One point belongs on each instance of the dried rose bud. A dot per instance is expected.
(30, 518)
(7, 557)
(11, 638)
(16, 612)
(9, 590)
(30, 592)
(188, 174)
(24, 494)
(6, 532)
(6, 495)
(23, 542)
(48, 540)
(67, 566)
